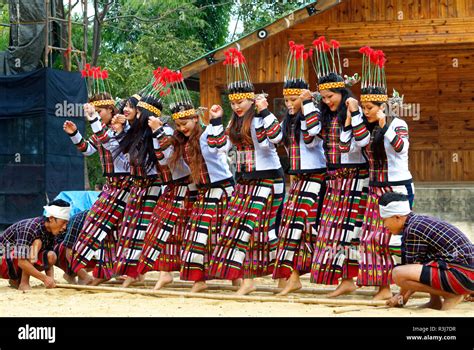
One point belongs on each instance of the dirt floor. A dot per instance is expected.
(68, 302)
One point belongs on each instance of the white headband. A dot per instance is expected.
(57, 212)
(394, 208)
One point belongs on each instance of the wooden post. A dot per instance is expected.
(69, 39)
(46, 30)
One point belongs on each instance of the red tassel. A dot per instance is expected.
(326, 47)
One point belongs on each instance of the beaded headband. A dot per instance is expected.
(241, 95)
(149, 108)
(184, 114)
(104, 103)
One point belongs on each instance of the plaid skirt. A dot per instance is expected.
(9, 265)
(376, 262)
(336, 251)
(298, 228)
(164, 234)
(96, 242)
(451, 278)
(202, 231)
(248, 241)
(144, 194)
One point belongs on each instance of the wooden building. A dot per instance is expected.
(430, 49)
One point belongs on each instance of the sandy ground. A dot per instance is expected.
(40, 302)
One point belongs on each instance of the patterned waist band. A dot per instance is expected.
(219, 184)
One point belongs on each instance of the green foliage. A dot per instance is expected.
(256, 14)
(137, 36)
(216, 14)
(4, 30)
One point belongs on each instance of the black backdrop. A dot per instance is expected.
(37, 159)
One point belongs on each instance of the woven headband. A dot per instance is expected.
(373, 98)
(241, 95)
(149, 108)
(332, 85)
(184, 114)
(103, 103)
(288, 92)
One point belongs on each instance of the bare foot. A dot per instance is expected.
(282, 283)
(24, 286)
(469, 297)
(198, 286)
(69, 279)
(384, 293)
(450, 302)
(247, 287)
(291, 286)
(237, 282)
(96, 281)
(434, 303)
(14, 283)
(347, 286)
(128, 282)
(165, 278)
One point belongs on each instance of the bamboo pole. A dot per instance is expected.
(161, 293)
(345, 309)
(275, 290)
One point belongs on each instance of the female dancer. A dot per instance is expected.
(248, 238)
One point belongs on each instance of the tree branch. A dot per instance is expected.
(150, 20)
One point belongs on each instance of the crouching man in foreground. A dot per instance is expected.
(437, 257)
(26, 247)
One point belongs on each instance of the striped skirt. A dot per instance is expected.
(144, 194)
(336, 251)
(298, 228)
(96, 239)
(451, 278)
(376, 262)
(248, 241)
(165, 232)
(202, 231)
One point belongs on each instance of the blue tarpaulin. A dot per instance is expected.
(79, 200)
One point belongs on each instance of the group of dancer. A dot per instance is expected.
(172, 202)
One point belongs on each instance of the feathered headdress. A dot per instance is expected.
(156, 88)
(327, 63)
(374, 84)
(181, 104)
(98, 85)
(238, 80)
(294, 81)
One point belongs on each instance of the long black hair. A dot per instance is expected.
(326, 113)
(377, 147)
(138, 142)
(291, 122)
(132, 101)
